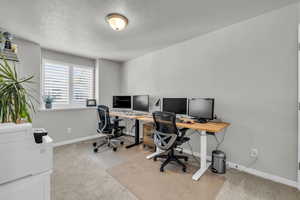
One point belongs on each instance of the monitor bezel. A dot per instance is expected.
(186, 106)
(213, 107)
(122, 96)
(138, 96)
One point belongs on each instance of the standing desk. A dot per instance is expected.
(215, 127)
(137, 125)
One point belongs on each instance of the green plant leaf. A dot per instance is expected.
(16, 101)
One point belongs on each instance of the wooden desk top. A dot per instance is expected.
(210, 126)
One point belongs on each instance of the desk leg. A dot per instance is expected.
(136, 135)
(204, 165)
(157, 152)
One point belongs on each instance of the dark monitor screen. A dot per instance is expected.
(175, 105)
(121, 101)
(202, 108)
(141, 103)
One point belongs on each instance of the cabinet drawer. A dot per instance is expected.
(148, 128)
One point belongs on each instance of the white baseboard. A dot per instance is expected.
(252, 171)
(264, 175)
(57, 144)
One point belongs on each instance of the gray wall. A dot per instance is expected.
(250, 68)
(67, 58)
(110, 80)
(82, 122)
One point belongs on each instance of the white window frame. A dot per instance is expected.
(71, 65)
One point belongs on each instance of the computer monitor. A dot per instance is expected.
(202, 108)
(140, 103)
(175, 105)
(122, 102)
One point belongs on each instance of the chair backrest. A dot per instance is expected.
(166, 131)
(104, 119)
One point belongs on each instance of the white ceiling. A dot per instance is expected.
(78, 26)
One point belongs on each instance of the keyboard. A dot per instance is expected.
(131, 113)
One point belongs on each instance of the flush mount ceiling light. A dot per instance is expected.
(116, 21)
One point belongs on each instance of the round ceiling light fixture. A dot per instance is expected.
(116, 21)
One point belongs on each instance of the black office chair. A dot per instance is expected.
(111, 131)
(167, 137)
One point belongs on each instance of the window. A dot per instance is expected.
(57, 82)
(69, 84)
(82, 84)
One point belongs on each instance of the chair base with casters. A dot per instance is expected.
(109, 141)
(172, 157)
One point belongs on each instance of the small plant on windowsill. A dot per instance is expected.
(16, 101)
(48, 100)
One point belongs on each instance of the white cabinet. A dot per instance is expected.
(25, 166)
(30, 188)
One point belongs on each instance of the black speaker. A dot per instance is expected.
(38, 134)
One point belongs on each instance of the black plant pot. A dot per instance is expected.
(48, 105)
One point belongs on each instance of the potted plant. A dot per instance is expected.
(15, 102)
(48, 99)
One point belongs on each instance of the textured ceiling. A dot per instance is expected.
(78, 26)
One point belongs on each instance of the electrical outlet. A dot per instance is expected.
(69, 130)
(233, 166)
(253, 153)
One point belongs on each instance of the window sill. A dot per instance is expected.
(64, 109)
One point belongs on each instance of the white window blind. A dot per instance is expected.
(82, 84)
(69, 84)
(56, 82)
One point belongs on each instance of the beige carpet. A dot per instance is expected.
(79, 174)
(143, 178)
(243, 186)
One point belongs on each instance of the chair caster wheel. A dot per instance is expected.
(95, 144)
(95, 150)
(161, 169)
(184, 169)
(114, 149)
(186, 159)
(154, 159)
(121, 142)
